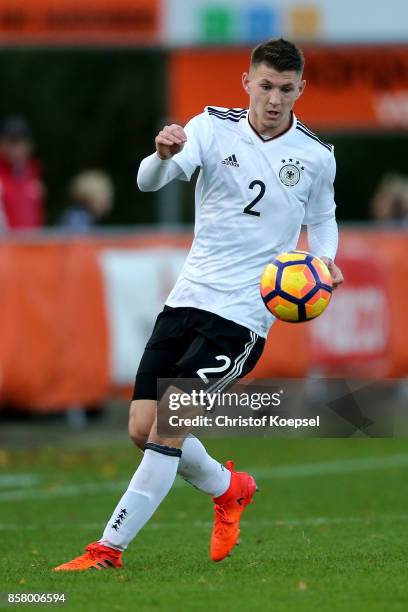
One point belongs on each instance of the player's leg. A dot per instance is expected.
(150, 484)
(201, 470)
(148, 487)
(142, 414)
(156, 472)
(218, 338)
(154, 363)
(158, 468)
(196, 466)
(172, 339)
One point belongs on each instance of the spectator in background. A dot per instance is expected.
(390, 200)
(21, 188)
(91, 194)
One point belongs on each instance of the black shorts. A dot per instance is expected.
(193, 343)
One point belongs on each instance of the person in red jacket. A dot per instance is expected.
(21, 188)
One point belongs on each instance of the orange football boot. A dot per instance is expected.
(228, 509)
(97, 556)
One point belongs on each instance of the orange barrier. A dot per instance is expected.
(53, 341)
(57, 339)
(44, 22)
(348, 87)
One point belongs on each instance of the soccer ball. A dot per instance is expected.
(296, 286)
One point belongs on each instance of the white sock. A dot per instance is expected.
(199, 469)
(150, 484)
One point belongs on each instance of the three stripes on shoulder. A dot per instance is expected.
(232, 114)
(302, 128)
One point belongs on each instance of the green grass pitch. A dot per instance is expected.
(327, 531)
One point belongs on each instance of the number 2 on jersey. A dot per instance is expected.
(248, 209)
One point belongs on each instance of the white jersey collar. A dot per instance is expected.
(249, 129)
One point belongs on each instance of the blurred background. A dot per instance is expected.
(86, 260)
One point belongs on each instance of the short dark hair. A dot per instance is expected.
(279, 54)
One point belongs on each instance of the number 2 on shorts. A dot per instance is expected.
(203, 371)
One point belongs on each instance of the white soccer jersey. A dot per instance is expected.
(251, 199)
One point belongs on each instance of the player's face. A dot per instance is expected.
(272, 95)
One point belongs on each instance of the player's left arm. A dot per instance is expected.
(320, 218)
(323, 240)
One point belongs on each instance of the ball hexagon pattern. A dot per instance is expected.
(296, 286)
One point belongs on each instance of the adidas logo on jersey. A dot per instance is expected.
(231, 161)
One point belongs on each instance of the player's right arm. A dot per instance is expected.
(179, 151)
(158, 169)
(169, 141)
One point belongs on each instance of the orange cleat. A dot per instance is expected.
(228, 509)
(97, 556)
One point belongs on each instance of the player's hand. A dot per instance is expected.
(170, 140)
(336, 273)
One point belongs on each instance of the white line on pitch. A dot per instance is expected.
(18, 480)
(65, 491)
(340, 466)
(305, 522)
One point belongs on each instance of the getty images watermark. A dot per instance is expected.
(240, 410)
(253, 401)
(309, 407)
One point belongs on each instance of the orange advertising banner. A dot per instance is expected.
(77, 22)
(348, 88)
(60, 346)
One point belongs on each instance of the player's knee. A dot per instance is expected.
(141, 416)
(137, 434)
(138, 437)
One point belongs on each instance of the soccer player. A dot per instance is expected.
(263, 174)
